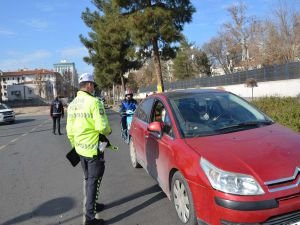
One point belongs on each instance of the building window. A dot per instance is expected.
(30, 91)
(4, 86)
(16, 93)
(23, 78)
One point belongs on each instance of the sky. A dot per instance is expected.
(39, 33)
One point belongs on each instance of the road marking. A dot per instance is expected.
(14, 140)
(2, 147)
(23, 135)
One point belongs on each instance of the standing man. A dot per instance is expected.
(87, 121)
(56, 112)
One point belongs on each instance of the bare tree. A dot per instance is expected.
(216, 50)
(67, 78)
(239, 32)
(39, 80)
(283, 31)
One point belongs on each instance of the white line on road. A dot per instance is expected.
(33, 129)
(23, 135)
(14, 140)
(2, 147)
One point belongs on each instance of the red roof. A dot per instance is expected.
(29, 72)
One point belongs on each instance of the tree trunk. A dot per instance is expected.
(157, 66)
(122, 85)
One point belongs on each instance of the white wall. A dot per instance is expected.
(281, 88)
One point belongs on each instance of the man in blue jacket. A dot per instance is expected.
(127, 104)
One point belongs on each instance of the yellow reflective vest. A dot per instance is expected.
(86, 120)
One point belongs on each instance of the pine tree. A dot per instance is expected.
(190, 62)
(110, 49)
(154, 25)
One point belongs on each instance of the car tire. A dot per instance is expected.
(182, 200)
(133, 157)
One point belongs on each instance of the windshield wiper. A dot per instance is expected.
(247, 124)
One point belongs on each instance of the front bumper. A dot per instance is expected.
(8, 117)
(215, 208)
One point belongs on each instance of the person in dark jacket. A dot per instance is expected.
(56, 112)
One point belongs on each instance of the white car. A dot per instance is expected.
(6, 114)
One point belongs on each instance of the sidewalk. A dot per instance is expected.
(37, 110)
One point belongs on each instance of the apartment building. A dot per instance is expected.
(69, 74)
(30, 84)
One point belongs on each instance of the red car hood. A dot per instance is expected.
(267, 153)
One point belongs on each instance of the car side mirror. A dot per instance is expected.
(155, 129)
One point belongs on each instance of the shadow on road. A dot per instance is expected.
(50, 208)
(17, 122)
(153, 189)
(30, 132)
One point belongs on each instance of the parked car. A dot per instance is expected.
(218, 158)
(6, 114)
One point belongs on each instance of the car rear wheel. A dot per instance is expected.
(133, 157)
(182, 200)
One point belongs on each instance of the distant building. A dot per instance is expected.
(69, 73)
(29, 84)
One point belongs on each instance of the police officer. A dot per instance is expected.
(56, 112)
(87, 121)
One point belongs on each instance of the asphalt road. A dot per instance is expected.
(39, 186)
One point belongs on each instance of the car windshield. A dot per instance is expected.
(215, 113)
(2, 106)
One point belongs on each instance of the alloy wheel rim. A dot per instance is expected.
(181, 201)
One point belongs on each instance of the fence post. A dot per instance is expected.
(286, 70)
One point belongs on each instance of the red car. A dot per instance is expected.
(218, 158)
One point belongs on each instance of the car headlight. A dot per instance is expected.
(228, 182)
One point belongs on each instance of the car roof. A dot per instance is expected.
(178, 93)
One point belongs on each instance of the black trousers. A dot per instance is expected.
(93, 169)
(124, 122)
(56, 120)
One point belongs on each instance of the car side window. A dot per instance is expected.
(160, 114)
(144, 110)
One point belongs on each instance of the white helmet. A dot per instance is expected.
(86, 77)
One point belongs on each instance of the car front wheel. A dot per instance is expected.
(182, 200)
(133, 157)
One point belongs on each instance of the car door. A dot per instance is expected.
(139, 128)
(159, 150)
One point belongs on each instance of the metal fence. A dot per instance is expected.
(270, 73)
